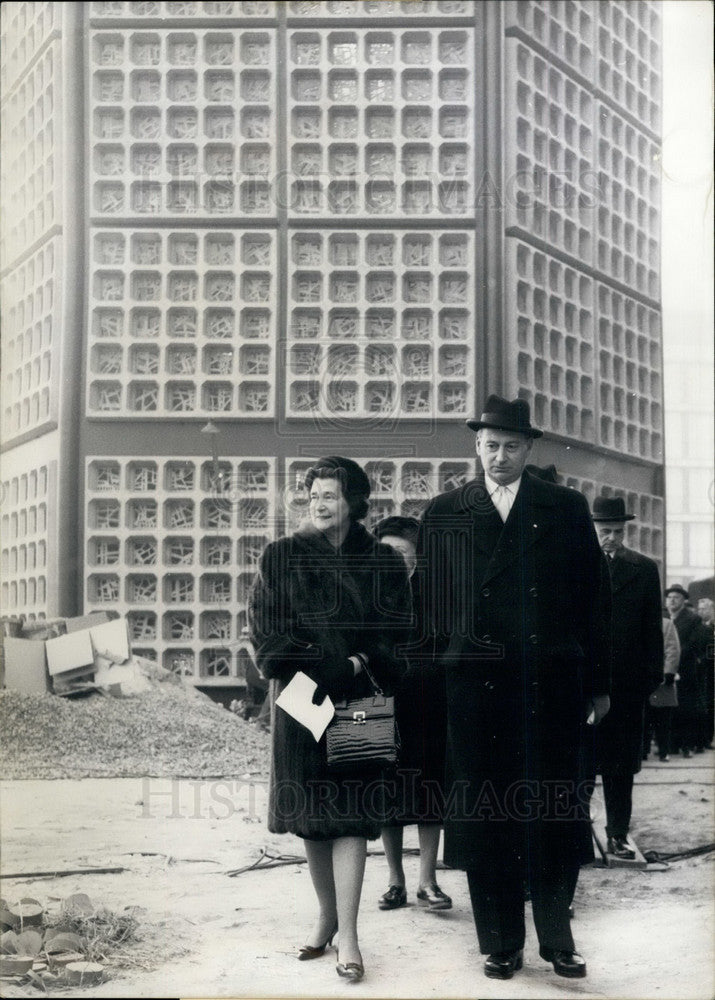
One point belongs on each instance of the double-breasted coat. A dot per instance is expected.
(518, 616)
(311, 607)
(636, 662)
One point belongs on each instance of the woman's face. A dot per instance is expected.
(406, 549)
(329, 509)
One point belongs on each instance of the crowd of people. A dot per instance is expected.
(522, 641)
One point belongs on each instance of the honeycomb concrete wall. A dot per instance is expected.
(324, 227)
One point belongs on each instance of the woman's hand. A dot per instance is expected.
(333, 679)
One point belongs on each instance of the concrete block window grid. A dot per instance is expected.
(169, 110)
(24, 530)
(31, 342)
(183, 321)
(31, 164)
(380, 322)
(380, 122)
(175, 548)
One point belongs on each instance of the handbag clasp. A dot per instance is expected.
(358, 718)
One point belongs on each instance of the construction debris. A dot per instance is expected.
(170, 730)
(84, 973)
(63, 948)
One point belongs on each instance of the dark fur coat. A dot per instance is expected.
(312, 606)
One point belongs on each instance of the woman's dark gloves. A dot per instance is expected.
(335, 680)
(669, 680)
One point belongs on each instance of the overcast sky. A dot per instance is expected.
(687, 263)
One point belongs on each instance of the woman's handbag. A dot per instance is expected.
(363, 731)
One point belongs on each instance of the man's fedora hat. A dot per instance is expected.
(501, 415)
(610, 509)
(676, 588)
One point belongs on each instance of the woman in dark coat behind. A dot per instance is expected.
(421, 712)
(329, 600)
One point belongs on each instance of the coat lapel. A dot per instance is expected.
(532, 516)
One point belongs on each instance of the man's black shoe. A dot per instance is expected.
(618, 847)
(566, 963)
(504, 964)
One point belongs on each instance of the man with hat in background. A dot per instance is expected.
(636, 667)
(514, 607)
(689, 717)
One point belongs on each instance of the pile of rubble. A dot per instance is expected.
(170, 730)
(120, 715)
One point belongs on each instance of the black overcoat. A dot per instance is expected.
(636, 663)
(694, 637)
(421, 712)
(313, 606)
(518, 616)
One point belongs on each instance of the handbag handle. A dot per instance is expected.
(376, 687)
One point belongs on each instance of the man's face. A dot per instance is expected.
(610, 535)
(503, 454)
(674, 602)
(706, 610)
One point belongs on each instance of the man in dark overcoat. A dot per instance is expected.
(514, 606)
(689, 716)
(636, 667)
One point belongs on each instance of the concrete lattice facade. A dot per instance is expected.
(325, 227)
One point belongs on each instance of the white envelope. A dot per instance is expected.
(296, 699)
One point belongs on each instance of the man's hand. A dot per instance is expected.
(598, 707)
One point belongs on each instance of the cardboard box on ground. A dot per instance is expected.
(69, 655)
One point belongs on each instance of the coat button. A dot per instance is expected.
(534, 684)
(486, 638)
(488, 685)
(486, 592)
(533, 591)
(533, 639)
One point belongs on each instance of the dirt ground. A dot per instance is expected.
(645, 934)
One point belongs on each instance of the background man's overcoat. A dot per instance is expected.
(691, 712)
(518, 615)
(637, 660)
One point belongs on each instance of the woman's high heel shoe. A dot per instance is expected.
(309, 951)
(354, 971)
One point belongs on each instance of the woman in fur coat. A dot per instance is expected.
(329, 600)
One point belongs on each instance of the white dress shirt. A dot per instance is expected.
(502, 497)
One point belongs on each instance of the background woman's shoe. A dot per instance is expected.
(309, 951)
(504, 964)
(433, 897)
(566, 963)
(395, 896)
